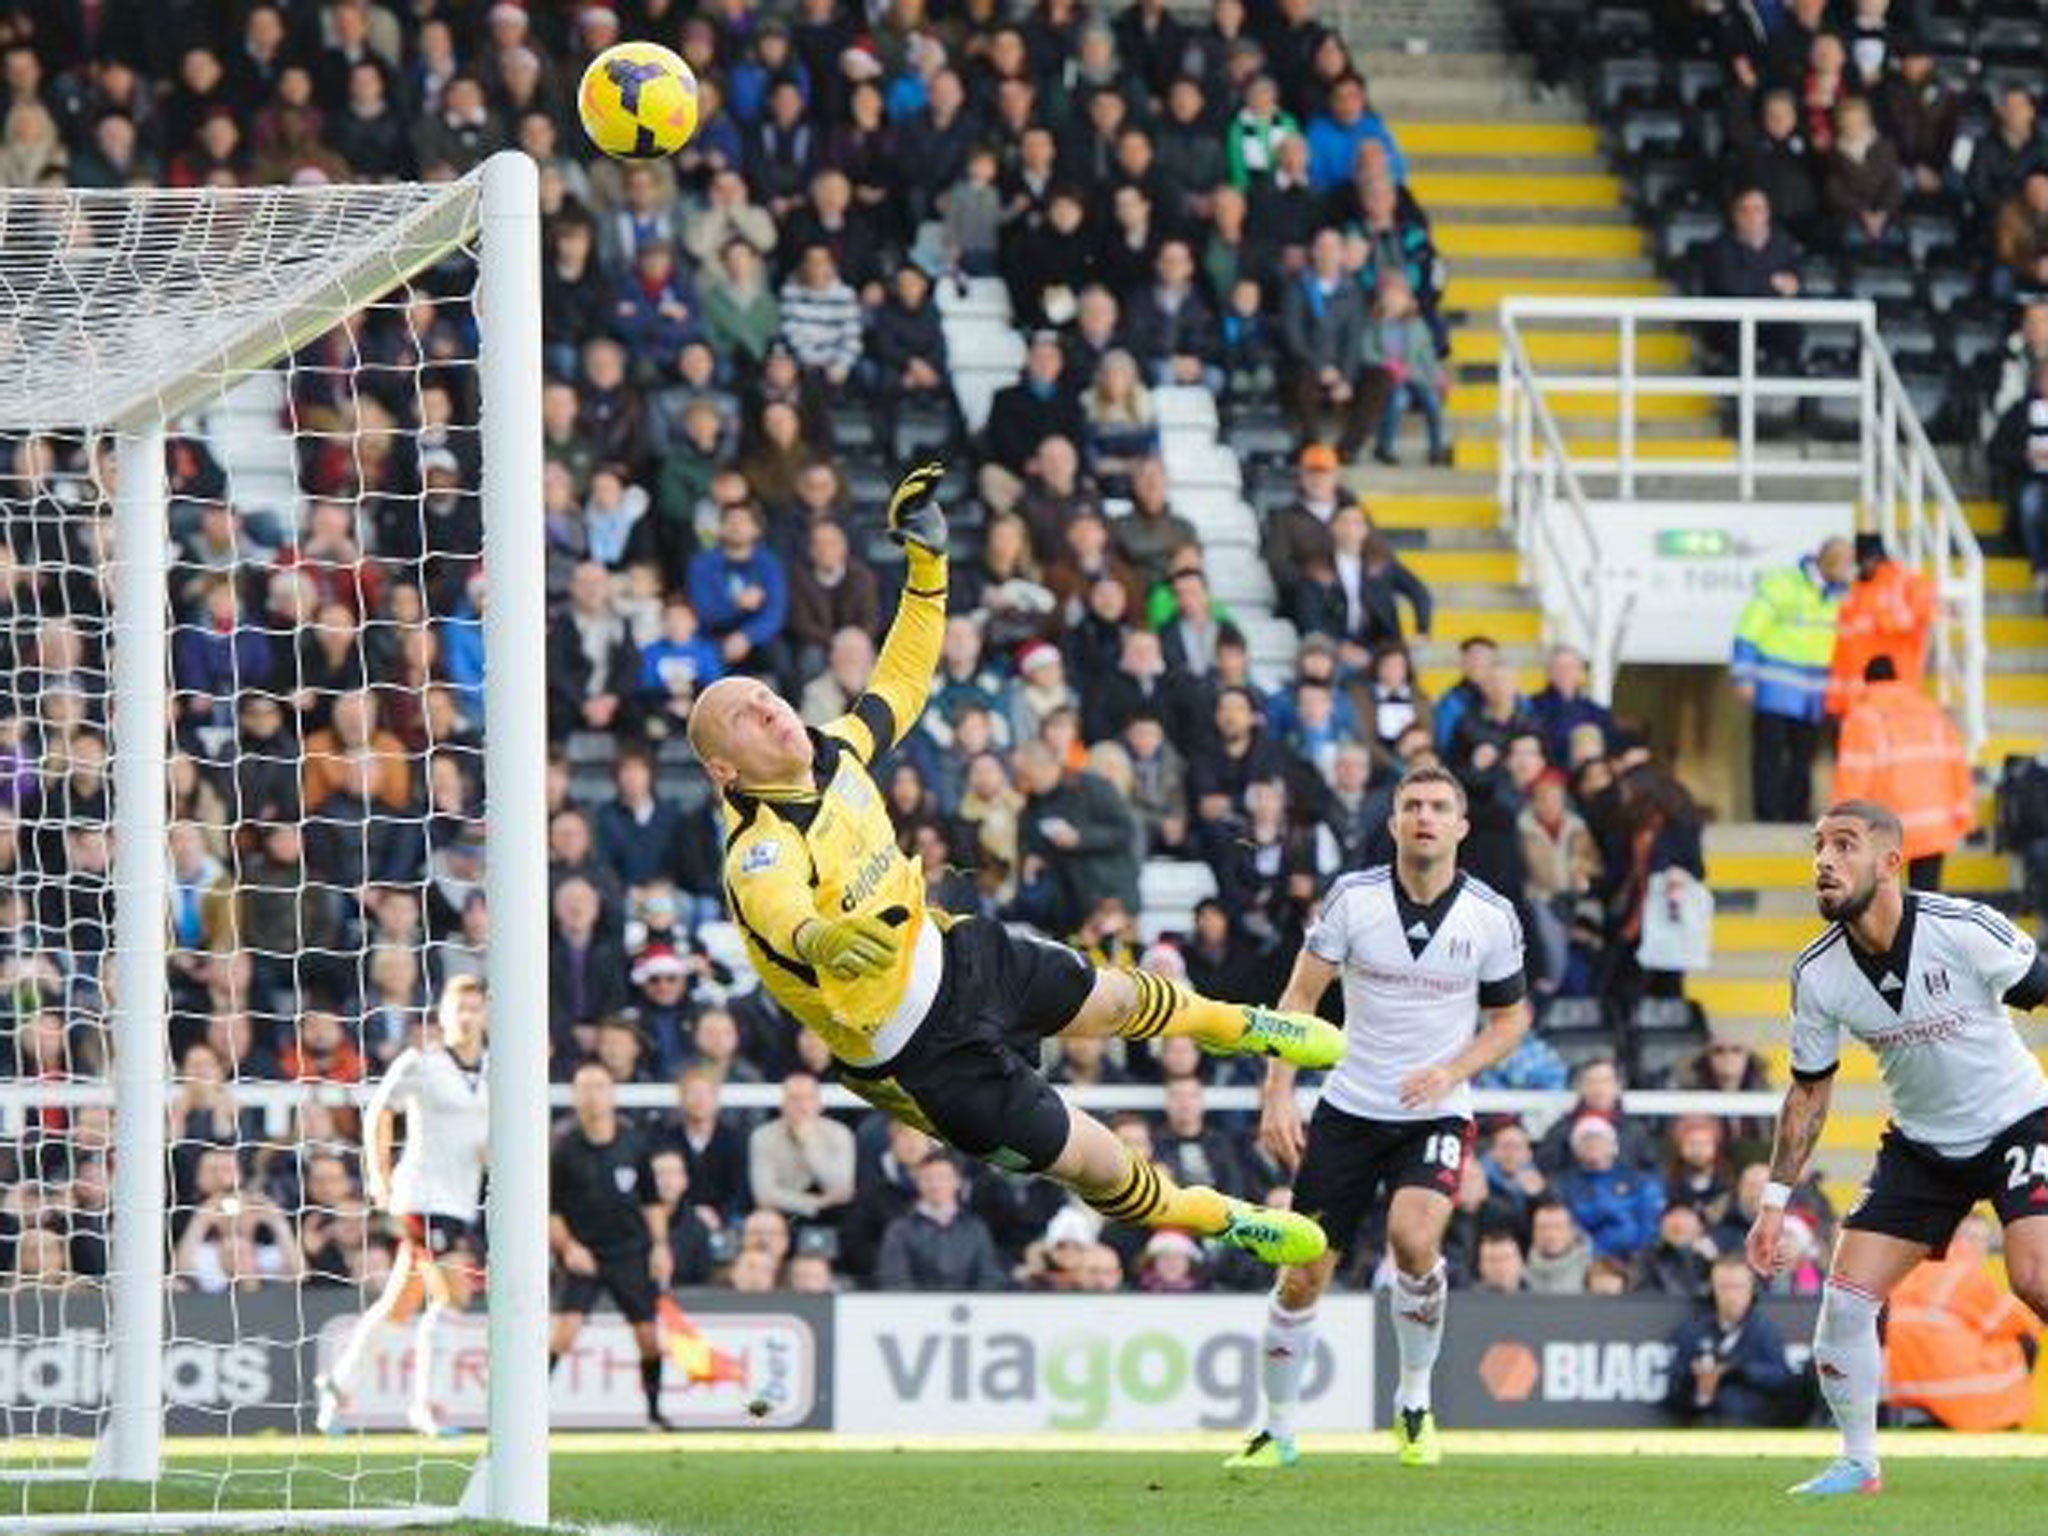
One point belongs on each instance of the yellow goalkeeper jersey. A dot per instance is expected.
(827, 850)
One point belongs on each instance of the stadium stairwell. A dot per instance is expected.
(1522, 201)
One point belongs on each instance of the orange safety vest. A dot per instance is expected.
(1952, 1346)
(1889, 615)
(1900, 748)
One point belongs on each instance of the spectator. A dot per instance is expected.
(355, 759)
(654, 313)
(2014, 367)
(850, 662)
(2020, 237)
(1750, 259)
(1617, 1206)
(1400, 347)
(1865, 185)
(1022, 416)
(740, 592)
(801, 1164)
(1900, 749)
(673, 669)
(1335, 136)
(1563, 867)
(1170, 326)
(1783, 643)
(728, 213)
(1076, 838)
(1677, 1261)
(907, 349)
(973, 217)
(1919, 113)
(741, 315)
(1563, 705)
(1823, 88)
(1728, 1363)
(638, 833)
(1957, 1343)
(714, 1153)
(2003, 158)
(1396, 238)
(587, 971)
(1195, 1150)
(593, 665)
(937, 1245)
(1698, 1173)
(1777, 163)
(829, 591)
(1558, 1251)
(461, 135)
(689, 1234)
(1121, 431)
(1478, 660)
(821, 319)
(1298, 533)
(1151, 535)
(1221, 768)
(1324, 321)
(1598, 1085)
(1252, 143)
(1500, 1269)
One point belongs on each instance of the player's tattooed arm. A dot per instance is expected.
(1800, 1120)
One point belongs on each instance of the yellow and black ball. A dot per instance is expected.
(638, 101)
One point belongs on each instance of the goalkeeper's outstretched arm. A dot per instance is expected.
(902, 680)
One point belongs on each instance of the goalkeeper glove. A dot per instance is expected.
(849, 949)
(914, 513)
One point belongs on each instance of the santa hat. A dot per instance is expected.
(657, 960)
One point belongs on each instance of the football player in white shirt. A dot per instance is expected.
(1431, 962)
(434, 1192)
(1924, 981)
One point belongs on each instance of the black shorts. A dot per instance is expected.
(434, 1237)
(970, 1073)
(1917, 1194)
(623, 1275)
(1350, 1158)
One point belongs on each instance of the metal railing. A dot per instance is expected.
(1890, 470)
(278, 1105)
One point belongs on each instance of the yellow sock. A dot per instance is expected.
(1168, 1008)
(1146, 1197)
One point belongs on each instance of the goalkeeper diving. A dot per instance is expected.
(933, 1018)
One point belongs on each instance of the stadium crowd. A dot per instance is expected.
(741, 345)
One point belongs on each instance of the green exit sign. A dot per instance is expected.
(1695, 543)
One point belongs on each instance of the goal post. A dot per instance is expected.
(126, 319)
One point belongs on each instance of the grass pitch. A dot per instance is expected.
(1357, 1489)
(1574, 1484)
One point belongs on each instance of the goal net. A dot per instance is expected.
(255, 446)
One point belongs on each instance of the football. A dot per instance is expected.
(638, 101)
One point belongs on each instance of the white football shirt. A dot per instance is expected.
(1933, 1011)
(1415, 980)
(447, 1109)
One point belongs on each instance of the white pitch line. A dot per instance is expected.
(263, 1454)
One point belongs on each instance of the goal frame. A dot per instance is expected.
(509, 1482)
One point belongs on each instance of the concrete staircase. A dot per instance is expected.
(1523, 201)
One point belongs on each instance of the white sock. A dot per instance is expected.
(1419, 1302)
(1289, 1345)
(1850, 1366)
(423, 1357)
(349, 1363)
